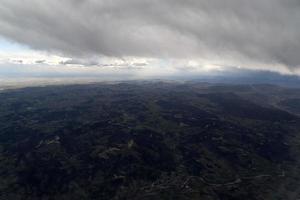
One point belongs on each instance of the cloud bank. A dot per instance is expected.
(258, 31)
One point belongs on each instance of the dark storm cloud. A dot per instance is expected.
(266, 31)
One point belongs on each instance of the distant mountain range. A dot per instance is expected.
(229, 75)
(247, 76)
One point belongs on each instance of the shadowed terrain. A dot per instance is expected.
(150, 140)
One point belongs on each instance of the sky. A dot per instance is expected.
(147, 38)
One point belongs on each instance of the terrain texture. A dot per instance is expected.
(150, 140)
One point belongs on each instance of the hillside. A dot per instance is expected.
(149, 140)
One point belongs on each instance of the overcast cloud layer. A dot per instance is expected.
(262, 31)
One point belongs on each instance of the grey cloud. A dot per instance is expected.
(17, 61)
(40, 61)
(94, 62)
(265, 31)
(125, 65)
(82, 62)
(114, 64)
(140, 64)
